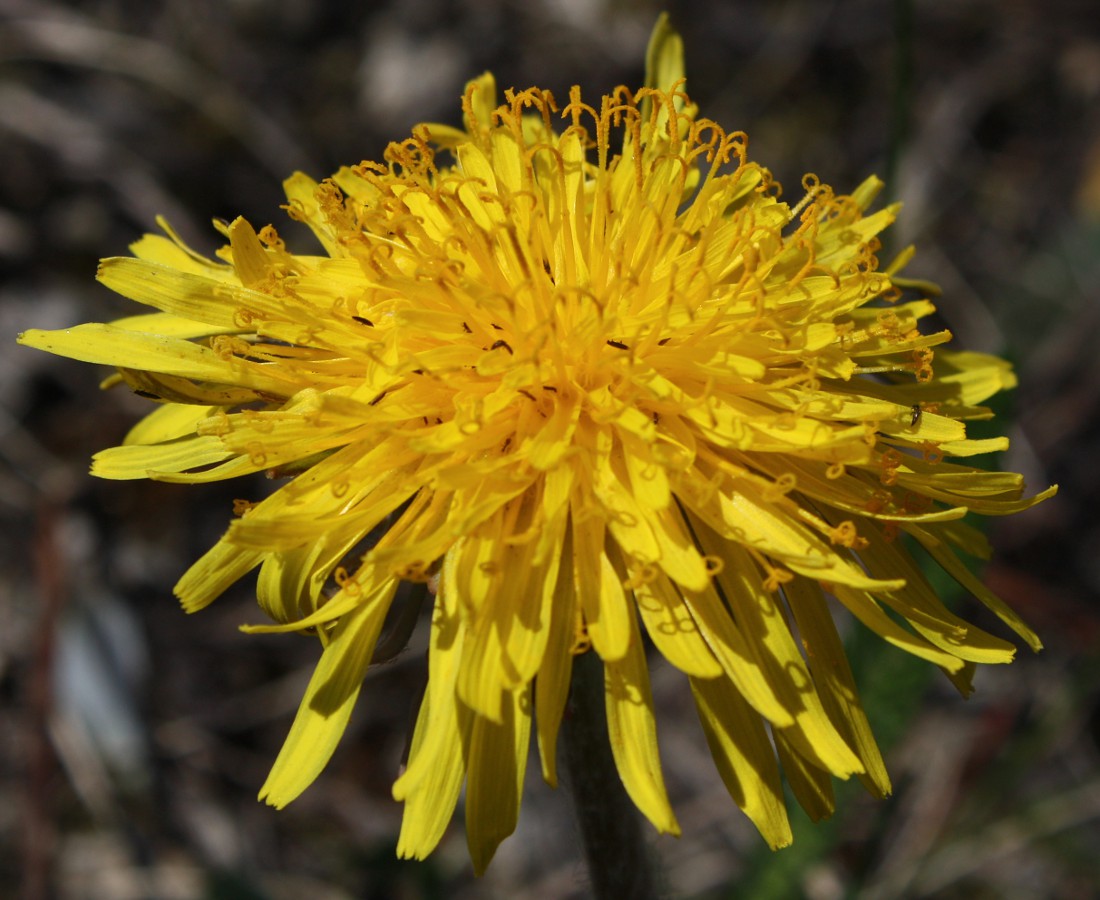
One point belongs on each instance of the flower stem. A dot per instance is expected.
(619, 863)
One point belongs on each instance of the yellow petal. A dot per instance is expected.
(630, 525)
(738, 658)
(648, 477)
(249, 257)
(743, 514)
(301, 192)
(918, 603)
(551, 442)
(812, 788)
(168, 422)
(166, 251)
(529, 577)
(293, 618)
(198, 298)
(744, 756)
(866, 608)
(672, 628)
(233, 468)
(482, 92)
(497, 760)
(171, 325)
(833, 677)
(664, 58)
(680, 559)
(113, 346)
(552, 684)
(482, 674)
(210, 575)
(599, 588)
(951, 564)
(329, 700)
(633, 733)
(432, 780)
(763, 623)
(140, 460)
(972, 377)
(431, 798)
(281, 586)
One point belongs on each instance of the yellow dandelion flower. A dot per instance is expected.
(578, 365)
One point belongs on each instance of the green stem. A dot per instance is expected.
(619, 863)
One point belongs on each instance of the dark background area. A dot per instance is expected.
(133, 738)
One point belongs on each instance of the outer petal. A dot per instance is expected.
(918, 603)
(496, 760)
(552, 684)
(113, 346)
(633, 733)
(812, 787)
(769, 636)
(833, 677)
(168, 422)
(432, 780)
(673, 630)
(599, 589)
(958, 570)
(329, 699)
(210, 575)
(141, 460)
(744, 756)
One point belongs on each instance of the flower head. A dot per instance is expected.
(578, 366)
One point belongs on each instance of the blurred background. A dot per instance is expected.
(133, 739)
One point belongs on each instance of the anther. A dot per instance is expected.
(931, 452)
(714, 564)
